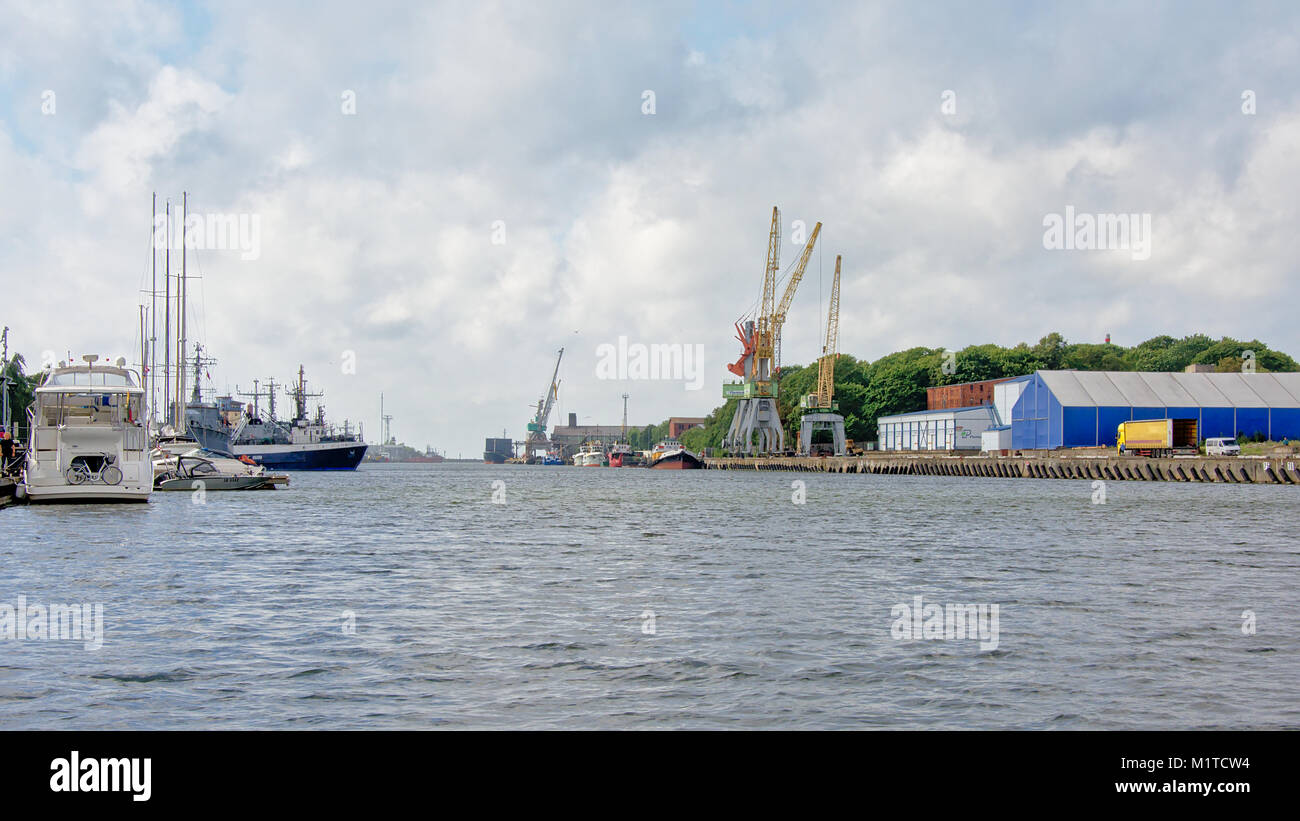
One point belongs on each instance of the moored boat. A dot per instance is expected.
(301, 444)
(194, 472)
(89, 438)
(180, 470)
(671, 455)
(590, 455)
(497, 450)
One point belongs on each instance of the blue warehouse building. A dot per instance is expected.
(1054, 409)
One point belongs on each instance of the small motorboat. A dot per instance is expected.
(191, 471)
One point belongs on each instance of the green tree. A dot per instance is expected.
(21, 389)
(1050, 350)
(897, 382)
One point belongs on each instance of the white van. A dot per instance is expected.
(1225, 446)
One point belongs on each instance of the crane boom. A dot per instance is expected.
(778, 316)
(547, 401)
(552, 391)
(767, 309)
(830, 352)
(537, 437)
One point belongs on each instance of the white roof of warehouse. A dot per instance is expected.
(940, 412)
(1153, 390)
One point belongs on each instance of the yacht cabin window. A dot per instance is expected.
(89, 409)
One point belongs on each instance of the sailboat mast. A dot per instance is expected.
(184, 287)
(167, 322)
(153, 309)
(144, 342)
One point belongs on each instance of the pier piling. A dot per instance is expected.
(1223, 470)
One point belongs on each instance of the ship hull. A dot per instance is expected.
(677, 461)
(80, 494)
(322, 456)
(314, 456)
(496, 450)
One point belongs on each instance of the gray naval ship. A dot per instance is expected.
(302, 443)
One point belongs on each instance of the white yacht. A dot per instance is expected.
(89, 438)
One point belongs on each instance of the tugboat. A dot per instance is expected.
(670, 455)
(301, 444)
(89, 438)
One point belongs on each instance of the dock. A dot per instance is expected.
(8, 489)
(1226, 470)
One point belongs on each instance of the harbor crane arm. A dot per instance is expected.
(756, 334)
(766, 309)
(830, 352)
(778, 317)
(554, 389)
(544, 406)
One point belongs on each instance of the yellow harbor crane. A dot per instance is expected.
(778, 317)
(824, 398)
(760, 360)
(820, 408)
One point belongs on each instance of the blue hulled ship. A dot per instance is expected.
(304, 443)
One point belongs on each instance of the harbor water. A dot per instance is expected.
(475, 596)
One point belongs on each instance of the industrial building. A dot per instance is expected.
(677, 425)
(962, 395)
(1046, 410)
(568, 438)
(944, 429)
(1055, 409)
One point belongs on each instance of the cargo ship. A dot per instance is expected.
(302, 443)
(497, 451)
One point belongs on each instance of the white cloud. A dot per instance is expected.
(377, 228)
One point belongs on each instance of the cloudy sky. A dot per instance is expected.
(501, 189)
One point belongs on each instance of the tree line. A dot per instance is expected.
(897, 382)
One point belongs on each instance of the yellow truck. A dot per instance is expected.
(1158, 437)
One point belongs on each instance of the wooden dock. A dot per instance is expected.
(1283, 470)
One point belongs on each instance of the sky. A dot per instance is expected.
(446, 194)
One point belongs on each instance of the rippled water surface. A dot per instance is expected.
(766, 614)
